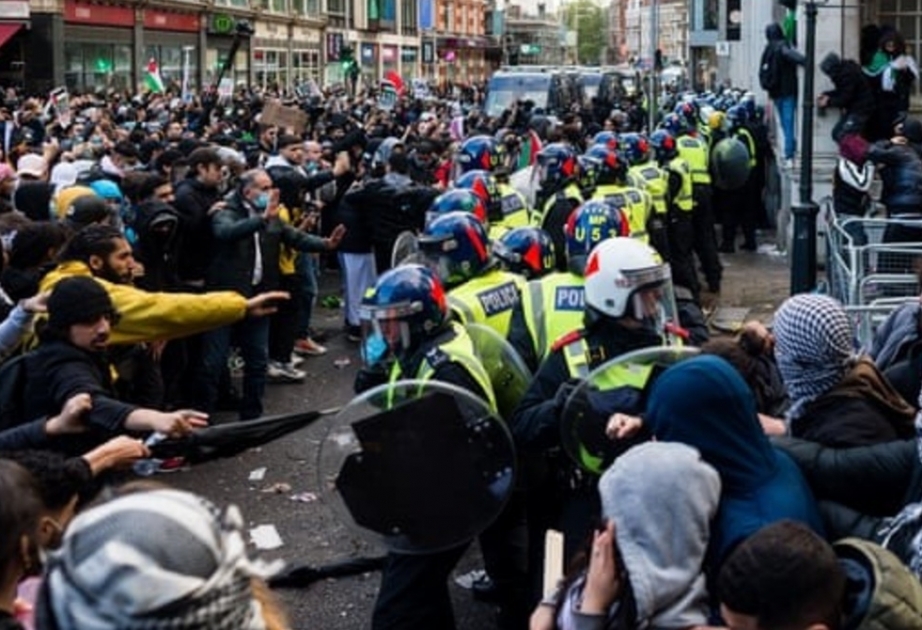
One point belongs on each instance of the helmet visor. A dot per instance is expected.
(653, 300)
(384, 334)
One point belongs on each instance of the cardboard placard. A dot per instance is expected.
(293, 118)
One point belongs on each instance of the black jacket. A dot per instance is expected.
(788, 58)
(862, 409)
(234, 254)
(56, 371)
(535, 424)
(852, 92)
(902, 177)
(395, 205)
(193, 201)
(351, 212)
(293, 183)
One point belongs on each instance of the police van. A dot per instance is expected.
(550, 91)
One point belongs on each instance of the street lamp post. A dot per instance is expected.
(805, 211)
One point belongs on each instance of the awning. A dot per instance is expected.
(7, 31)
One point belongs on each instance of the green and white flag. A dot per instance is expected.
(152, 77)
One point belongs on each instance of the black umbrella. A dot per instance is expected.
(304, 576)
(227, 440)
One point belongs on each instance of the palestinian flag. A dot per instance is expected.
(152, 77)
(531, 145)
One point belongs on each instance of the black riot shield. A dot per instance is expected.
(618, 386)
(417, 466)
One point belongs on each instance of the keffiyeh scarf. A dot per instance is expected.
(813, 348)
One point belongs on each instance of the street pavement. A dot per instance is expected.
(310, 532)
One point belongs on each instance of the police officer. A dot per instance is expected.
(476, 153)
(555, 304)
(456, 247)
(646, 172)
(557, 171)
(458, 200)
(626, 285)
(502, 217)
(695, 152)
(412, 337)
(526, 251)
(613, 188)
(681, 203)
(741, 205)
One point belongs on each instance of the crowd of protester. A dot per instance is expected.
(152, 247)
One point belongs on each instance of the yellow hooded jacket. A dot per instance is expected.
(147, 316)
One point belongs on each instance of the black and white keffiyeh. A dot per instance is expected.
(158, 560)
(813, 347)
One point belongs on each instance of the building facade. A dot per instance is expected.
(461, 41)
(641, 26)
(107, 44)
(532, 39)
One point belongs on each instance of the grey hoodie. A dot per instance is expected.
(661, 497)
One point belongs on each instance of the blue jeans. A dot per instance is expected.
(306, 270)
(786, 106)
(252, 337)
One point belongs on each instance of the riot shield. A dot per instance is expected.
(729, 164)
(508, 373)
(618, 386)
(406, 249)
(417, 466)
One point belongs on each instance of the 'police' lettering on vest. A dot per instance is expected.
(512, 203)
(502, 298)
(569, 299)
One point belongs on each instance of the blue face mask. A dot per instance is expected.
(261, 202)
(374, 349)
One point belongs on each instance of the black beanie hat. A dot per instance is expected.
(77, 300)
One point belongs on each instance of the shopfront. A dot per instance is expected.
(14, 32)
(368, 60)
(305, 56)
(98, 42)
(333, 70)
(409, 62)
(168, 38)
(270, 55)
(389, 59)
(220, 39)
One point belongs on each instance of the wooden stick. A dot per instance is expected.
(553, 562)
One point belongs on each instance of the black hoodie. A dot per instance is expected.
(788, 58)
(852, 92)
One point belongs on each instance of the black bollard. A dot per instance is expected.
(803, 247)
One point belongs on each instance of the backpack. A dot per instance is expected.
(770, 69)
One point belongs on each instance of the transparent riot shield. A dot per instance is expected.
(508, 373)
(406, 249)
(417, 466)
(618, 386)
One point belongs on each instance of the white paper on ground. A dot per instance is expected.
(266, 537)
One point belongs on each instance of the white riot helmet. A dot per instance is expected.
(627, 278)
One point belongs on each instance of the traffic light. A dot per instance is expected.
(658, 60)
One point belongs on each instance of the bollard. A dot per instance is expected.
(803, 247)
